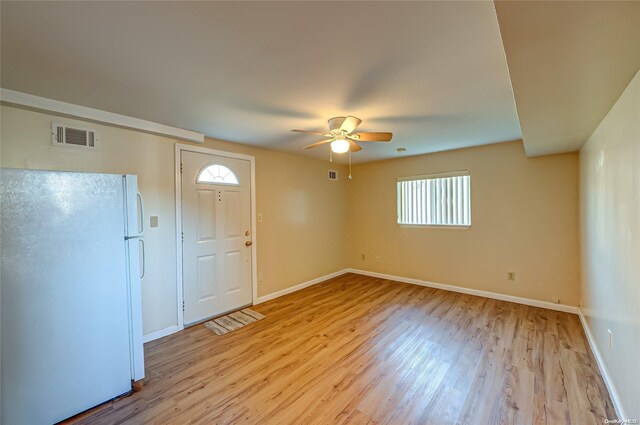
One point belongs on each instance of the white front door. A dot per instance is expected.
(217, 234)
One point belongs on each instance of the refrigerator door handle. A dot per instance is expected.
(141, 219)
(144, 259)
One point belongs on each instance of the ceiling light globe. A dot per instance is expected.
(340, 146)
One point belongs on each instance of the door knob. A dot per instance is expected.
(248, 243)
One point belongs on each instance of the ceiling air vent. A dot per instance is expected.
(62, 135)
(333, 175)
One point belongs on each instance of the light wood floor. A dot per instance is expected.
(360, 350)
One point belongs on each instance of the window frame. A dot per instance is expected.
(433, 176)
(206, 167)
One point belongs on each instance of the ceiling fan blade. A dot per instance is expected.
(350, 123)
(311, 132)
(354, 147)
(335, 123)
(320, 143)
(374, 137)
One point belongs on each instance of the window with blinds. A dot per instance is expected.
(442, 199)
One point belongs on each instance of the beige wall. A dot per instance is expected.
(610, 220)
(524, 214)
(304, 213)
(524, 219)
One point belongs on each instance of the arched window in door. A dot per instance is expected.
(217, 174)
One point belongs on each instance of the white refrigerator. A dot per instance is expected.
(72, 264)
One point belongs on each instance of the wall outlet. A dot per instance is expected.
(511, 276)
(376, 258)
(555, 300)
(260, 277)
(153, 221)
(610, 338)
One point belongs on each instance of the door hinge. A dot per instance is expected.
(182, 237)
(181, 168)
(182, 305)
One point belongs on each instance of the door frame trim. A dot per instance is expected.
(179, 148)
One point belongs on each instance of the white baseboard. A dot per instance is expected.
(159, 334)
(298, 287)
(527, 301)
(615, 398)
(477, 292)
(452, 288)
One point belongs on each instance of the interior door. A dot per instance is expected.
(216, 235)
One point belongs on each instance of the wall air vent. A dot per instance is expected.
(333, 175)
(62, 135)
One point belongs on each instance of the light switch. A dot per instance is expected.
(153, 221)
(259, 217)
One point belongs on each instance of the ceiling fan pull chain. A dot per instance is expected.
(350, 178)
(330, 154)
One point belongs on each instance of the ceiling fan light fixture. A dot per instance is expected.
(340, 145)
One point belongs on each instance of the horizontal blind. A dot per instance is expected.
(439, 201)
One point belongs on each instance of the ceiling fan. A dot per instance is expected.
(342, 137)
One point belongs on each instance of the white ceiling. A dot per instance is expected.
(433, 73)
(569, 62)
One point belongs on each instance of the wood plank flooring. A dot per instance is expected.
(360, 350)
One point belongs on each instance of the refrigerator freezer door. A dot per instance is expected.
(65, 328)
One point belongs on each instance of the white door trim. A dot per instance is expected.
(180, 147)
